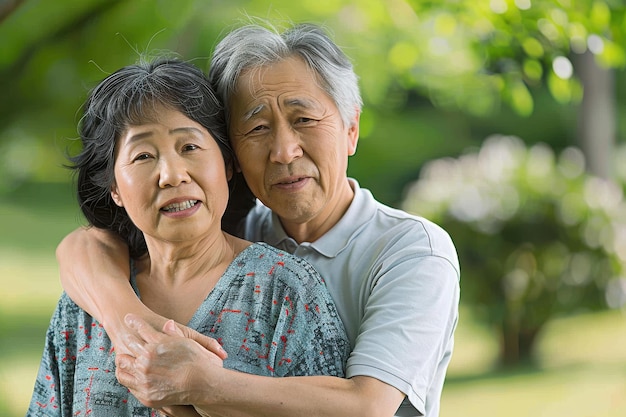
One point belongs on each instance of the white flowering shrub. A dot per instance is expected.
(537, 236)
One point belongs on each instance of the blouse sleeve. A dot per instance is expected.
(310, 338)
(54, 382)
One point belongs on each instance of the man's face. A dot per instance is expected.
(291, 143)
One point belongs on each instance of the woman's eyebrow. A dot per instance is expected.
(194, 130)
(138, 136)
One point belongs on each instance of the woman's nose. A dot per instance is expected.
(173, 172)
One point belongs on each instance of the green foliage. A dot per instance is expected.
(537, 237)
(53, 52)
(505, 48)
(411, 56)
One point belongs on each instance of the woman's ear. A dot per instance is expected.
(115, 195)
(230, 171)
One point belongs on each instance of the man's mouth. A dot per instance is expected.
(291, 181)
(183, 205)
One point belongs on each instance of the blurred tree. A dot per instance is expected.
(537, 237)
(54, 51)
(501, 49)
(435, 75)
(7, 7)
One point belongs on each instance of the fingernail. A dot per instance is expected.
(128, 319)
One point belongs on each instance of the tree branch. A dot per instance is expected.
(7, 7)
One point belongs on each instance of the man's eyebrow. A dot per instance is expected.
(253, 112)
(291, 102)
(298, 102)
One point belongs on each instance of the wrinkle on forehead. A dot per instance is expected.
(256, 74)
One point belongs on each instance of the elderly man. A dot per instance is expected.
(292, 105)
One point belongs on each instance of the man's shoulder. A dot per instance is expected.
(394, 220)
(404, 231)
(259, 211)
(257, 220)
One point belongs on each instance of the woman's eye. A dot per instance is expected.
(142, 157)
(190, 147)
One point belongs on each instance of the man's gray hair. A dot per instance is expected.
(255, 45)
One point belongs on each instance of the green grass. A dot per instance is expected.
(581, 372)
(582, 359)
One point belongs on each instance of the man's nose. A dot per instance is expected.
(286, 145)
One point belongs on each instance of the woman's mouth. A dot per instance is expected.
(183, 205)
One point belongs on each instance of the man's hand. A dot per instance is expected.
(210, 344)
(163, 368)
(179, 411)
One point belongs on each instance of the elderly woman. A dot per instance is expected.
(155, 168)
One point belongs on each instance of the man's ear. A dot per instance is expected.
(115, 195)
(353, 133)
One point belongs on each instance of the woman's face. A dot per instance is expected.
(171, 178)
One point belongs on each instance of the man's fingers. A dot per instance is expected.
(146, 334)
(123, 364)
(133, 344)
(143, 329)
(206, 342)
(170, 328)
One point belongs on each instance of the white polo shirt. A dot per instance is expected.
(395, 280)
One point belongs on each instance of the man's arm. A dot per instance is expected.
(94, 266)
(216, 391)
(94, 270)
(258, 396)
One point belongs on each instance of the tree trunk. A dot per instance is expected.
(597, 115)
(517, 345)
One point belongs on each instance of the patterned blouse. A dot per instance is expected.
(271, 312)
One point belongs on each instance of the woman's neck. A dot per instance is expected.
(175, 279)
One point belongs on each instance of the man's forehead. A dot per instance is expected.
(285, 76)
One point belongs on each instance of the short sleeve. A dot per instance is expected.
(52, 394)
(406, 334)
(310, 337)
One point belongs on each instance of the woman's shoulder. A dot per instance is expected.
(281, 265)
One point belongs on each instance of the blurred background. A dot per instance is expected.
(502, 120)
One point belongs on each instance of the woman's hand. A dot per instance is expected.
(165, 368)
